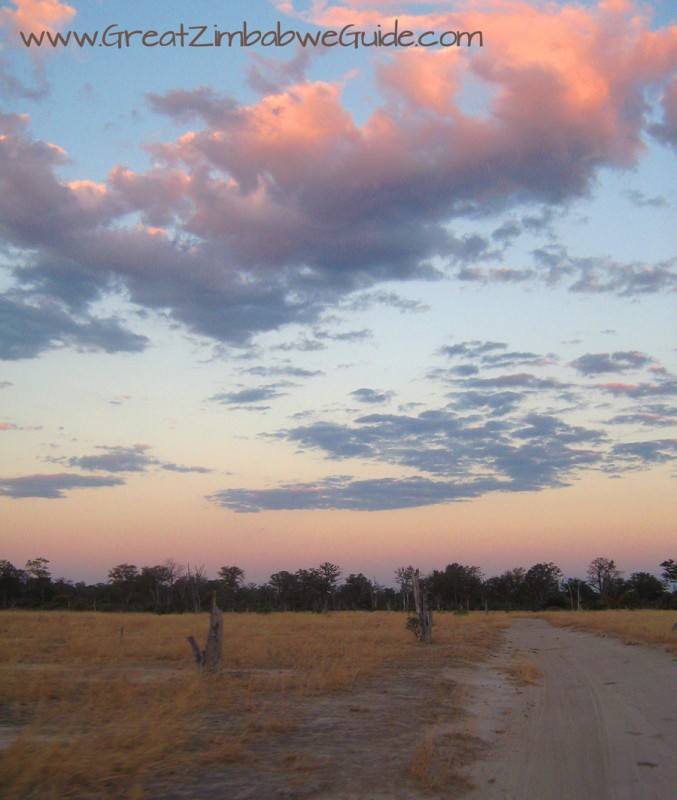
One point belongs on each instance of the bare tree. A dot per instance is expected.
(175, 571)
(602, 574)
(573, 588)
(197, 581)
(209, 659)
(404, 577)
(425, 616)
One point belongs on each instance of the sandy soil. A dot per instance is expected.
(395, 737)
(601, 724)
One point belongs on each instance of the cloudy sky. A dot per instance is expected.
(377, 305)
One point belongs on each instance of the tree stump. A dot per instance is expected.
(209, 659)
(425, 616)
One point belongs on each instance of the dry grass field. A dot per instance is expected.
(649, 627)
(97, 706)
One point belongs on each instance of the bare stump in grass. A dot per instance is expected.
(209, 659)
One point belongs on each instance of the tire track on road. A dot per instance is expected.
(602, 724)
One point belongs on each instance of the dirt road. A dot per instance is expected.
(602, 723)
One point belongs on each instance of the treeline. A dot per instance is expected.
(177, 588)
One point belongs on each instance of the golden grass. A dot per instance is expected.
(648, 626)
(437, 759)
(95, 704)
(523, 672)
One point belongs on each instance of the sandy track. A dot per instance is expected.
(602, 723)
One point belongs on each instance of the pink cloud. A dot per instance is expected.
(667, 387)
(11, 426)
(291, 175)
(273, 209)
(36, 15)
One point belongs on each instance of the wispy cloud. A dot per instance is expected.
(505, 432)
(12, 426)
(53, 487)
(599, 363)
(121, 459)
(371, 396)
(643, 200)
(31, 328)
(666, 131)
(639, 454)
(348, 494)
(115, 459)
(250, 396)
(365, 300)
(285, 370)
(651, 415)
(667, 387)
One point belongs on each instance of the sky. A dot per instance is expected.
(270, 306)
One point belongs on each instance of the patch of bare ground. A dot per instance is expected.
(399, 735)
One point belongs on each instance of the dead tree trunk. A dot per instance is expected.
(425, 617)
(209, 659)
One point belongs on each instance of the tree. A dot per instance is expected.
(231, 579)
(603, 575)
(175, 572)
(542, 583)
(286, 589)
(457, 587)
(123, 580)
(38, 577)
(123, 573)
(157, 581)
(578, 591)
(404, 577)
(506, 590)
(11, 580)
(37, 568)
(308, 594)
(327, 575)
(669, 573)
(197, 585)
(644, 589)
(357, 592)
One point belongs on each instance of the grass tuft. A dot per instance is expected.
(523, 672)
